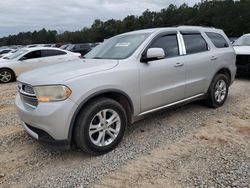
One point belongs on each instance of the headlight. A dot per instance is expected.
(52, 93)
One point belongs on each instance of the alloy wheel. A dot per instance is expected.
(5, 76)
(220, 91)
(104, 127)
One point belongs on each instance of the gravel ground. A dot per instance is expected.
(191, 146)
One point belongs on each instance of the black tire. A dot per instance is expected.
(86, 116)
(6, 76)
(211, 100)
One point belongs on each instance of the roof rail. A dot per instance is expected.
(201, 26)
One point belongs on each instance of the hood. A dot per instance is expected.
(242, 50)
(57, 74)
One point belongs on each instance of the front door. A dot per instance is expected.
(163, 81)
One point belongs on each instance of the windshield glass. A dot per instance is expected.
(16, 54)
(242, 41)
(70, 47)
(119, 47)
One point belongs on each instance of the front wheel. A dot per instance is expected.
(218, 91)
(6, 76)
(100, 126)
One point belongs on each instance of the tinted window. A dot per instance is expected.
(48, 53)
(194, 43)
(33, 55)
(218, 40)
(168, 43)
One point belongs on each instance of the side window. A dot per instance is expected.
(218, 40)
(168, 43)
(48, 53)
(33, 55)
(194, 43)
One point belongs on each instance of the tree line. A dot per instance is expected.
(231, 16)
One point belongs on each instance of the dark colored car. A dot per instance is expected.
(65, 46)
(79, 48)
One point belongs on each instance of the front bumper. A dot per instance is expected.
(48, 121)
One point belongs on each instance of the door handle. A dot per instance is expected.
(178, 64)
(214, 58)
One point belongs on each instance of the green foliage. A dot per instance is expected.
(231, 16)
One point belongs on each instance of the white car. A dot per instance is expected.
(3, 52)
(27, 59)
(242, 50)
(8, 54)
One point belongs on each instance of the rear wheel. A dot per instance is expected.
(6, 76)
(218, 91)
(100, 126)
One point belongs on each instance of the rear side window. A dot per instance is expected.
(48, 53)
(195, 43)
(218, 40)
(168, 43)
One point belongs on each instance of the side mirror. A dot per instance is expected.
(153, 54)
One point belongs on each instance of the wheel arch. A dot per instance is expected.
(226, 72)
(7, 68)
(117, 95)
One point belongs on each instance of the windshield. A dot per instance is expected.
(16, 54)
(119, 47)
(242, 41)
(70, 47)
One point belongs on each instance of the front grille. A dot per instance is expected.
(243, 59)
(30, 101)
(243, 63)
(28, 95)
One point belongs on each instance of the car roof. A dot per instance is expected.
(43, 48)
(248, 34)
(162, 29)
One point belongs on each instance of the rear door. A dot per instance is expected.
(163, 81)
(198, 63)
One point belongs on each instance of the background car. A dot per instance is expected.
(242, 49)
(80, 48)
(4, 52)
(64, 47)
(31, 58)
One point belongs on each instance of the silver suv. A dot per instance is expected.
(91, 102)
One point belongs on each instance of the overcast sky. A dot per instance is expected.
(28, 15)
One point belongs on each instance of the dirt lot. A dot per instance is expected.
(185, 147)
